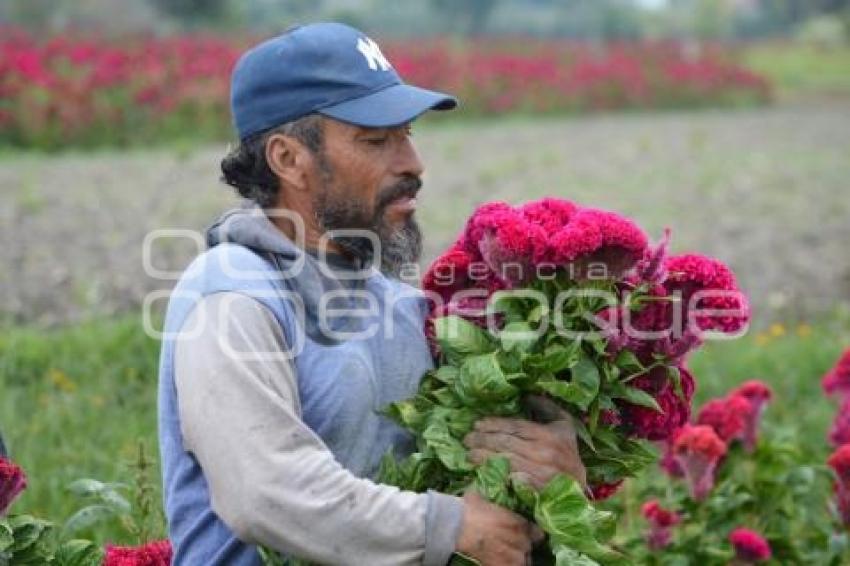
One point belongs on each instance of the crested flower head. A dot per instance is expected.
(448, 274)
(840, 432)
(551, 214)
(660, 522)
(505, 240)
(837, 380)
(690, 274)
(648, 423)
(727, 416)
(750, 547)
(156, 553)
(597, 241)
(698, 450)
(12, 482)
(758, 394)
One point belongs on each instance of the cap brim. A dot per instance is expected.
(392, 106)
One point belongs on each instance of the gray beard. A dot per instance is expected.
(400, 247)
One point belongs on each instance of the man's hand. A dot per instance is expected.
(493, 535)
(536, 451)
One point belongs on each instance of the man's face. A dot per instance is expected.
(368, 180)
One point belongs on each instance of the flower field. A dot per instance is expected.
(79, 90)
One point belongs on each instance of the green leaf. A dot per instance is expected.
(27, 531)
(566, 556)
(89, 516)
(628, 361)
(450, 451)
(518, 336)
(6, 538)
(459, 338)
(492, 482)
(447, 374)
(569, 519)
(78, 553)
(482, 381)
(635, 396)
(410, 414)
(556, 358)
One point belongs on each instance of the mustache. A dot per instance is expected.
(406, 188)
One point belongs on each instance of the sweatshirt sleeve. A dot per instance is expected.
(271, 478)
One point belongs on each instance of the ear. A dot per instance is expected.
(289, 160)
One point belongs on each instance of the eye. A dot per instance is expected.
(376, 140)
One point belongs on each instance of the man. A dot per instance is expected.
(281, 344)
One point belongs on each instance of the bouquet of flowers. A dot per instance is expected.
(571, 303)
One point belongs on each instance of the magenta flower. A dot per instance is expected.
(698, 450)
(727, 416)
(652, 268)
(597, 241)
(645, 422)
(839, 461)
(551, 214)
(505, 240)
(840, 432)
(448, 274)
(602, 491)
(660, 521)
(156, 553)
(690, 274)
(759, 395)
(668, 462)
(837, 380)
(12, 482)
(750, 547)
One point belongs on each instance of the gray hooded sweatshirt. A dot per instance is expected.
(268, 405)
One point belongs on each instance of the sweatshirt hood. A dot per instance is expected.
(249, 226)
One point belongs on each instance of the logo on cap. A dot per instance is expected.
(372, 53)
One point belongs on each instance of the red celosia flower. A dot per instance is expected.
(660, 522)
(750, 547)
(698, 450)
(156, 553)
(690, 274)
(840, 432)
(839, 461)
(602, 491)
(505, 240)
(597, 237)
(448, 274)
(12, 482)
(551, 214)
(645, 422)
(758, 394)
(837, 380)
(727, 416)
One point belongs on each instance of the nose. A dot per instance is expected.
(408, 162)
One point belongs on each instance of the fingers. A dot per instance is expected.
(499, 442)
(515, 427)
(535, 474)
(543, 409)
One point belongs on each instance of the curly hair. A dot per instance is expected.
(245, 168)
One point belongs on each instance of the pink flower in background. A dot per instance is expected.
(660, 521)
(156, 553)
(668, 462)
(698, 450)
(597, 237)
(750, 547)
(12, 482)
(690, 274)
(837, 380)
(759, 395)
(727, 416)
(839, 433)
(839, 461)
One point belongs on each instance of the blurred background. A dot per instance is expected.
(726, 120)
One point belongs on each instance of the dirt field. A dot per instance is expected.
(766, 190)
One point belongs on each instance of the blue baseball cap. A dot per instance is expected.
(326, 68)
